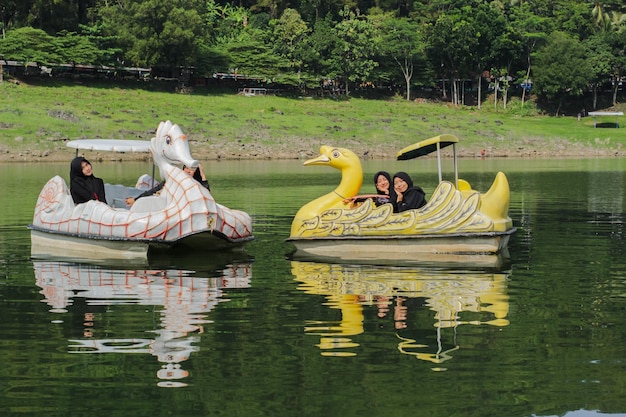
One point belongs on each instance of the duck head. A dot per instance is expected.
(349, 164)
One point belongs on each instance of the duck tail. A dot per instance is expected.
(495, 203)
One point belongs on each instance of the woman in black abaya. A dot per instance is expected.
(84, 186)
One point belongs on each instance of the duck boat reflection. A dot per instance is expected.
(456, 221)
(367, 294)
(83, 294)
(183, 214)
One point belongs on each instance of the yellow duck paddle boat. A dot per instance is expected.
(458, 222)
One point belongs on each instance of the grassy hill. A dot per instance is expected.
(37, 120)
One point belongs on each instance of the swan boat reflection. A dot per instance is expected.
(381, 294)
(82, 295)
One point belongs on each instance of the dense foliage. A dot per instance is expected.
(561, 47)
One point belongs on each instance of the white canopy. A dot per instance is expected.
(606, 113)
(111, 145)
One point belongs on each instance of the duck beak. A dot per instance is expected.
(318, 160)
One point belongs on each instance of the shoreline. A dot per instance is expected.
(305, 149)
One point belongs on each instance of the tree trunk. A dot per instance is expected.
(595, 95)
(526, 81)
(615, 87)
(407, 79)
(462, 89)
(495, 94)
(2, 23)
(480, 85)
(505, 96)
(443, 89)
(453, 91)
(558, 109)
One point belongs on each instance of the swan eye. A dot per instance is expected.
(335, 154)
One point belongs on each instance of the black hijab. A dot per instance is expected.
(392, 193)
(386, 175)
(413, 198)
(405, 177)
(198, 177)
(84, 188)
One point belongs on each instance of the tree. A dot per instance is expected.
(29, 45)
(317, 49)
(562, 68)
(288, 33)
(617, 42)
(574, 18)
(165, 33)
(451, 42)
(600, 57)
(533, 30)
(14, 11)
(54, 16)
(250, 55)
(402, 43)
(225, 22)
(496, 44)
(355, 48)
(34, 45)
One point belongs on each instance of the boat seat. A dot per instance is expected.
(116, 194)
(146, 182)
(149, 203)
(464, 185)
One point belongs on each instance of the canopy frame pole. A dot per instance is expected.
(456, 169)
(439, 160)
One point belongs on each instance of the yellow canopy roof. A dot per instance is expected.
(427, 146)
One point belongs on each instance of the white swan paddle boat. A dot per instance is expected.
(184, 214)
(458, 225)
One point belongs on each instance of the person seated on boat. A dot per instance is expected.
(196, 173)
(85, 186)
(384, 192)
(407, 196)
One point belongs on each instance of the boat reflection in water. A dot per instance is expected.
(82, 294)
(456, 298)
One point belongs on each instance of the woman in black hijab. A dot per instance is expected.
(384, 189)
(408, 196)
(196, 173)
(84, 186)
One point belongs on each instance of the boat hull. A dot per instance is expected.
(45, 244)
(457, 249)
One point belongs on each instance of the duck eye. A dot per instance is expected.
(168, 139)
(335, 154)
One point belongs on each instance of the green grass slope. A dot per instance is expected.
(37, 120)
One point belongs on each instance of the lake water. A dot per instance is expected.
(260, 334)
